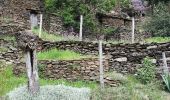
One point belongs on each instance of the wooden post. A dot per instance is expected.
(32, 71)
(165, 66)
(133, 30)
(41, 16)
(81, 28)
(101, 65)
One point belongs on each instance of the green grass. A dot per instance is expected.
(158, 39)
(48, 37)
(8, 81)
(131, 90)
(53, 37)
(55, 54)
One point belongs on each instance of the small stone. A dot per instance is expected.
(123, 59)
(152, 47)
(153, 61)
(90, 63)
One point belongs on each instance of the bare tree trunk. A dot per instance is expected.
(32, 71)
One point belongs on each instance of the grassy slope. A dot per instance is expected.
(158, 39)
(48, 37)
(55, 54)
(53, 37)
(131, 89)
(8, 81)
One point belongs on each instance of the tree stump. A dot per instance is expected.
(28, 43)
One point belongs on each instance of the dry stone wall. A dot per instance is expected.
(83, 69)
(18, 10)
(122, 57)
(9, 52)
(53, 24)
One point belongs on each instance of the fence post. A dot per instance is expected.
(165, 66)
(101, 65)
(133, 30)
(40, 31)
(81, 28)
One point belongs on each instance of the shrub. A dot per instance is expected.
(49, 92)
(147, 72)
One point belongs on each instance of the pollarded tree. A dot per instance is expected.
(28, 43)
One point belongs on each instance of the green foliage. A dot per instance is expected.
(51, 92)
(159, 23)
(107, 5)
(68, 17)
(146, 73)
(41, 69)
(55, 54)
(166, 79)
(70, 11)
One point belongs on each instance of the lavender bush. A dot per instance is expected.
(50, 92)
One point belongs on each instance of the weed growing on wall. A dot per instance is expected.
(41, 69)
(147, 72)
